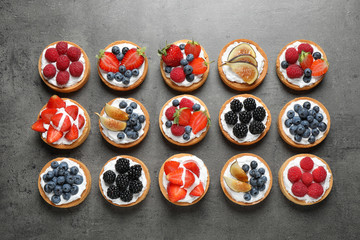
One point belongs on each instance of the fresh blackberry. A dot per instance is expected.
(109, 177)
(245, 117)
(249, 104)
(259, 114)
(231, 118)
(256, 127)
(126, 196)
(135, 186)
(122, 165)
(113, 192)
(240, 130)
(135, 172)
(122, 181)
(236, 105)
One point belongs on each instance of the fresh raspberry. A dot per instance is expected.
(315, 190)
(62, 77)
(49, 71)
(185, 102)
(62, 62)
(76, 69)
(294, 71)
(177, 130)
(73, 53)
(51, 54)
(319, 174)
(307, 178)
(62, 47)
(305, 47)
(299, 189)
(294, 174)
(306, 164)
(177, 75)
(291, 55)
(169, 113)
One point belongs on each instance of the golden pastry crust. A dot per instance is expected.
(83, 195)
(137, 141)
(74, 87)
(243, 86)
(137, 83)
(222, 179)
(193, 141)
(291, 142)
(147, 176)
(193, 86)
(282, 77)
(267, 126)
(288, 195)
(163, 190)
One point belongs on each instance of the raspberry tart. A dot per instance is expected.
(305, 179)
(124, 181)
(122, 65)
(184, 179)
(124, 122)
(303, 122)
(184, 65)
(246, 179)
(244, 119)
(184, 120)
(64, 66)
(63, 123)
(242, 64)
(301, 65)
(64, 182)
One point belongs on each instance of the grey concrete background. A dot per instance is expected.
(28, 26)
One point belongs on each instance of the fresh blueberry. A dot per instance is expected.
(45, 178)
(190, 77)
(315, 132)
(186, 136)
(119, 77)
(54, 180)
(316, 55)
(51, 185)
(78, 179)
(66, 188)
(312, 112)
(261, 171)
(168, 124)
(182, 46)
(132, 121)
(184, 62)
(74, 170)
(66, 196)
(64, 165)
(188, 129)
(168, 69)
(122, 69)
(129, 133)
(303, 113)
(290, 114)
(54, 164)
(284, 64)
(288, 122)
(293, 129)
(253, 164)
(307, 73)
(252, 172)
(133, 105)
(135, 135)
(307, 133)
(245, 167)
(60, 180)
(121, 135)
(123, 104)
(47, 188)
(115, 50)
(257, 174)
(254, 192)
(307, 105)
(247, 197)
(311, 139)
(67, 173)
(137, 127)
(55, 199)
(126, 130)
(297, 107)
(253, 182)
(126, 81)
(188, 69)
(135, 72)
(175, 102)
(196, 107)
(120, 56)
(189, 57)
(141, 118)
(306, 79)
(110, 76)
(296, 120)
(319, 117)
(58, 190)
(316, 109)
(61, 172)
(74, 189)
(262, 188)
(297, 137)
(260, 183)
(310, 118)
(300, 130)
(129, 110)
(49, 175)
(314, 124)
(128, 73)
(134, 115)
(322, 126)
(124, 50)
(305, 123)
(264, 178)
(70, 179)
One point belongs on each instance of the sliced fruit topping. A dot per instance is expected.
(175, 192)
(305, 47)
(108, 61)
(73, 133)
(116, 113)
(171, 166)
(81, 121)
(133, 58)
(192, 166)
(55, 102)
(185, 102)
(177, 74)
(294, 71)
(112, 124)
(39, 126)
(306, 60)
(182, 116)
(66, 122)
(73, 111)
(238, 172)
(177, 130)
(319, 67)
(171, 55)
(291, 55)
(175, 177)
(243, 48)
(47, 114)
(199, 120)
(243, 58)
(170, 113)
(246, 71)
(198, 190)
(193, 48)
(53, 135)
(199, 66)
(237, 186)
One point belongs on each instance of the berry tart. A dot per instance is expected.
(184, 179)
(305, 179)
(184, 120)
(244, 119)
(124, 122)
(124, 181)
(242, 64)
(246, 179)
(64, 182)
(301, 65)
(122, 65)
(184, 65)
(304, 122)
(63, 123)
(64, 66)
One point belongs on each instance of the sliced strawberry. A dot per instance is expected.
(73, 133)
(182, 116)
(171, 166)
(53, 135)
(171, 55)
(133, 58)
(108, 61)
(177, 130)
(198, 190)
(319, 67)
(65, 125)
(55, 102)
(175, 177)
(39, 126)
(72, 111)
(193, 47)
(175, 192)
(81, 121)
(199, 66)
(47, 114)
(305, 59)
(192, 166)
(199, 120)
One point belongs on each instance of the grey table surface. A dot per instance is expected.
(28, 26)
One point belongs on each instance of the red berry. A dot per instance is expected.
(299, 189)
(55, 102)
(177, 75)
(291, 55)
(133, 58)
(198, 121)
(175, 192)
(199, 66)
(319, 174)
(73, 133)
(294, 71)
(66, 124)
(51, 54)
(49, 71)
(171, 55)
(198, 190)
(74, 54)
(182, 116)
(169, 113)
(307, 178)
(72, 110)
(62, 77)
(319, 67)
(171, 166)
(108, 61)
(81, 121)
(193, 47)
(193, 167)
(307, 164)
(62, 62)
(315, 190)
(306, 60)
(53, 135)
(294, 174)
(177, 130)
(38, 126)
(76, 69)
(176, 177)
(62, 47)
(185, 102)
(47, 114)
(305, 47)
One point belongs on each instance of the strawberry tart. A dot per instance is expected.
(122, 65)
(184, 179)
(184, 120)
(63, 123)
(64, 66)
(301, 65)
(242, 64)
(184, 65)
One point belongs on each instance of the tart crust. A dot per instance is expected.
(74, 87)
(193, 86)
(243, 86)
(163, 190)
(291, 142)
(288, 195)
(83, 195)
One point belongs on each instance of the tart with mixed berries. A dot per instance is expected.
(301, 65)
(305, 179)
(184, 179)
(242, 64)
(64, 66)
(63, 123)
(124, 122)
(246, 179)
(64, 182)
(304, 122)
(184, 120)
(244, 119)
(122, 65)
(184, 65)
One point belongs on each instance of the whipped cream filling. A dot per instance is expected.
(203, 176)
(232, 76)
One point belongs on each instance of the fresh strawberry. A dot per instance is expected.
(65, 125)
(199, 120)
(55, 102)
(133, 58)
(38, 126)
(171, 166)
(170, 113)
(199, 66)
(192, 166)
(182, 116)
(294, 71)
(177, 74)
(53, 135)
(81, 121)
(197, 191)
(47, 114)
(175, 177)
(73, 133)
(175, 192)
(291, 55)
(177, 130)
(185, 102)
(193, 47)
(108, 61)
(305, 47)
(171, 55)
(306, 60)
(72, 110)
(319, 67)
